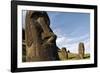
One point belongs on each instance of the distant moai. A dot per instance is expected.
(81, 50)
(23, 46)
(68, 51)
(63, 54)
(39, 37)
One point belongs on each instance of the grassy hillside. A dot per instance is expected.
(73, 56)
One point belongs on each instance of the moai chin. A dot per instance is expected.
(40, 39)
(81, 50)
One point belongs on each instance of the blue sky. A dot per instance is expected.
(70, 28)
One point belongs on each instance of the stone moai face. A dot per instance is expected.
(81, 50)
(39, 38)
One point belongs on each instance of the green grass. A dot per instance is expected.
(74, 56)
(87, 56)
(71, 56)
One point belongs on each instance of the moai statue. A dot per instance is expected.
(63, 54)
(23, 46)
(68, 51)
(40, 39)
(81, 50)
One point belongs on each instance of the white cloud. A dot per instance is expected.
(72, 43)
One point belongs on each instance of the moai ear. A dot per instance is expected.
(28, 29)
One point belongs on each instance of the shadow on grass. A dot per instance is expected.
(87, 57)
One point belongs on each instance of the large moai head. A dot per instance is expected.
(40, 39)
(81, 50)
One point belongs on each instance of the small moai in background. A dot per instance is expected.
(68, 51)
(81, 50)
(63, 54)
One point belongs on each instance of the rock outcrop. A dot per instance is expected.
(39, 37)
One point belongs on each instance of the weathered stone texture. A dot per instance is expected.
(40, 39)
(81, 50)
(63, 54)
